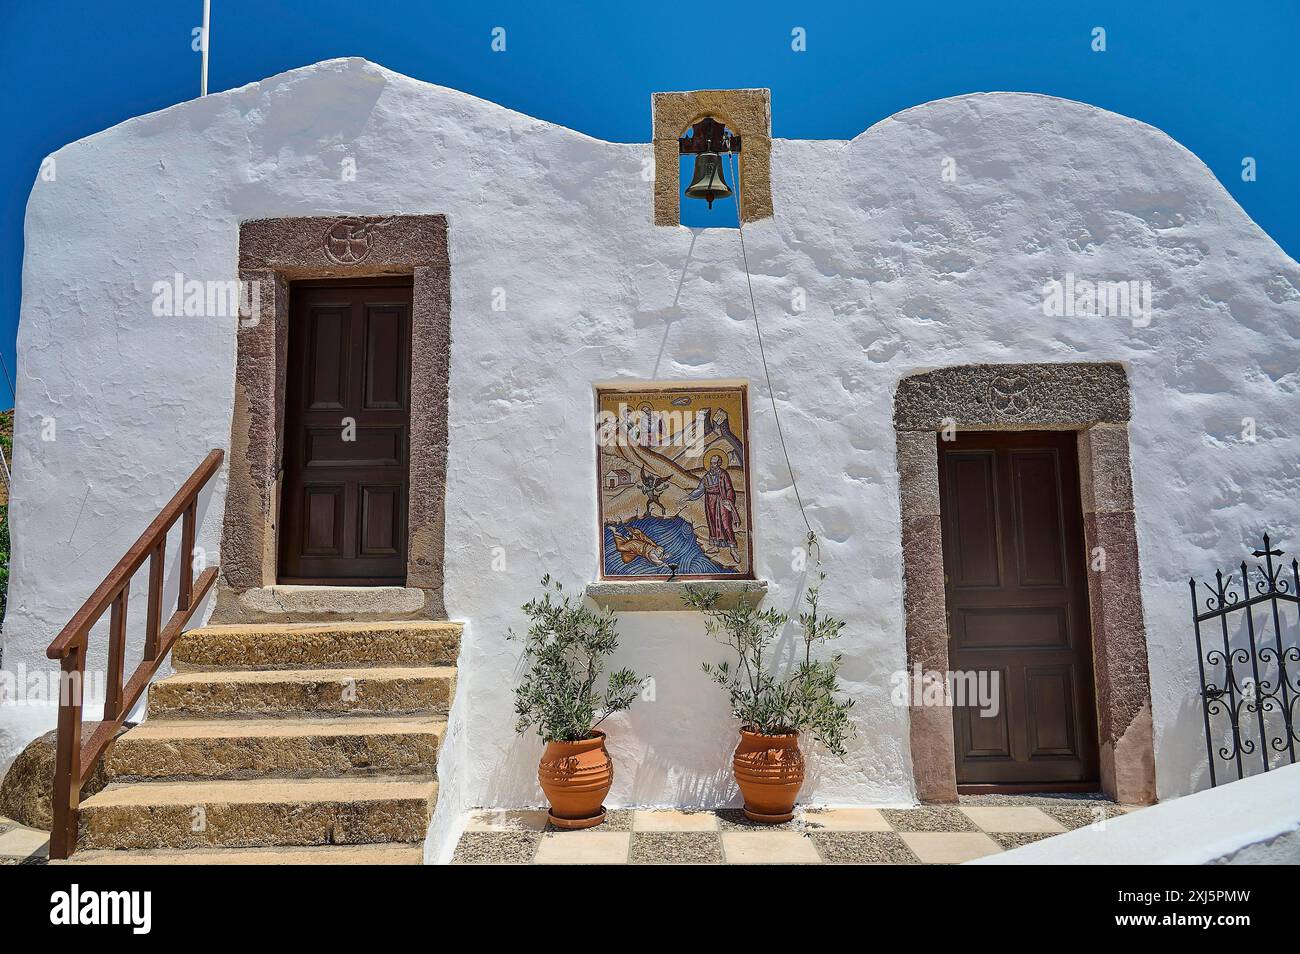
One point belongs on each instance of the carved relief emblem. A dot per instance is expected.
(1010, 396)
(348, 240)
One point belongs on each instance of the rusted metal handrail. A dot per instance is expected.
(74, 762)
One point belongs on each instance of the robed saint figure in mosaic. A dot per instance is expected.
(674, 482)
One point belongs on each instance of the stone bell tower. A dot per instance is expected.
(745, 112)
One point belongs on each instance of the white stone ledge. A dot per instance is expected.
(643, 596)
(1253, 821)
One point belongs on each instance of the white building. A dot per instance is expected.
(933, 272)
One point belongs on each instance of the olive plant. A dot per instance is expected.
(565, 648)
(804, 699)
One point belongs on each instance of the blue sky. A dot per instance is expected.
(1221, 78)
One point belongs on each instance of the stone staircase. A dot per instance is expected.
(281, 743)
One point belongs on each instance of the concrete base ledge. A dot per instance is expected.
(312, 604)
(1251, 822)
(641, 596)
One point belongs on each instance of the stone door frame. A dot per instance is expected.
(273, 253)
(1093, 401)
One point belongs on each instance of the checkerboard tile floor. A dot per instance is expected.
(980, 825)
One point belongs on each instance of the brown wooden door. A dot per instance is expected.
(1018, 606)
(343, 501)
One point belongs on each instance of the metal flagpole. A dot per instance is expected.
(207, 20)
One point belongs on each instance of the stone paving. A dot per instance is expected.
(979, 826)
(20, 845)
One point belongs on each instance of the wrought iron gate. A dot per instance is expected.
(1251, 683)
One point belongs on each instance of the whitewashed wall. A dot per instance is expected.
(902, 271)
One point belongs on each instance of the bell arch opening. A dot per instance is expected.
(709, 181)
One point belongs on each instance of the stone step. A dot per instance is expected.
(399, 854)
(317, 645)
(261, 813)
(261, 692)
(276, 748)
(283, 603)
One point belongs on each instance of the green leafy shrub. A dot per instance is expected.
(4, 560)
(566, 648)
(804, 699)
(7, 447)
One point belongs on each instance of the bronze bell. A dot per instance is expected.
(709, 182)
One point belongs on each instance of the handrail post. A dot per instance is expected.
(116, 654)
(187, 556)
(67, 765)
(154, 621)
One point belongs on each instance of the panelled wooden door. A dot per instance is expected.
(347, 417)
(1017, 600)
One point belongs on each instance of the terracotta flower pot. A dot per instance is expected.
(576, 777)
(769, 770)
